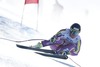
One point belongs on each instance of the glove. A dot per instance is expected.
(65, 52)
(61, 53)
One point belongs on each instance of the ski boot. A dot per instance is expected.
(38, 45)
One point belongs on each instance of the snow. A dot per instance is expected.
(11, 28)
(86, 12)
(12, 56)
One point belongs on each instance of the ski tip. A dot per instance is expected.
(21, 46)
(40, 53)
(18, 45)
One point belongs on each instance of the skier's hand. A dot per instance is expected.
(65, 51)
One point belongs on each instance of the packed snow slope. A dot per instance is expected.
(12, 56)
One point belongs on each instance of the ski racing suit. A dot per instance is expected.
(68, 45)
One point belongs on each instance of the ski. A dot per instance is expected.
(35, 49)
(52, 55)
(47, 53)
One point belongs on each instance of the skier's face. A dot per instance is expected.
(72, 36)
(74, 32)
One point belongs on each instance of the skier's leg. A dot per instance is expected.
(53, 41)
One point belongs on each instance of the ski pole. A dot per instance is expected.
(74, 62)
(21, 40)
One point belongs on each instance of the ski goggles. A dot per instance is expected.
(75, 31)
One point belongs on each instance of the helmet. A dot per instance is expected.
(75, 29)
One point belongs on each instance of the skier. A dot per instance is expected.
(65, 42)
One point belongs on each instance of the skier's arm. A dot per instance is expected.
(57, 35)
(60, 32)
(75, 51)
